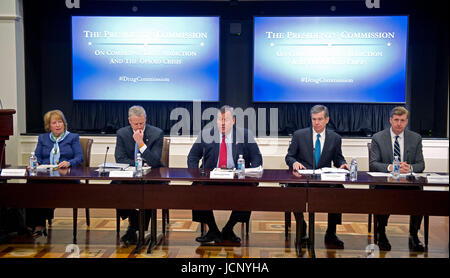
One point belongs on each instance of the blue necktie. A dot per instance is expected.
(317, 150)
(397, 148)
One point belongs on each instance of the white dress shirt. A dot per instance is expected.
(322, 139)
(229, 144)
(401, 142)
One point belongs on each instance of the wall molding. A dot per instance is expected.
(273, 151)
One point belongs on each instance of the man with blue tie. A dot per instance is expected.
(220, 147)
(138, 137)
(407, 145)
(315, 148)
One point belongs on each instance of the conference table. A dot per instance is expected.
(158, 189)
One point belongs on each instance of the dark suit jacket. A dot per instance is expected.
(69, 149)
(125, 146)
(301, 149)
(243, 143)
(381, 153)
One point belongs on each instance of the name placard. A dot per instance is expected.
(121, 174)
(332, 177)
(14, 172)
(221, 175)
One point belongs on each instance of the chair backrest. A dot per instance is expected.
(369, 145)
(165, 152)
(86, 146)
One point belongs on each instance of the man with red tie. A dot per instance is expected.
(220, 147)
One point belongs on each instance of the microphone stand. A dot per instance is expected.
(202, 171)
(314, 163)
(410, 176)
(103, 172)
(1, 156)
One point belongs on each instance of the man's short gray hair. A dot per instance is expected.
(319, 108)
(137, 111)
(225, 109)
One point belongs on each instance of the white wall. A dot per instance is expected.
(12, 94)
(12, 73)
(273, 151)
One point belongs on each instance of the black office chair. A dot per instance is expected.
(86, 146)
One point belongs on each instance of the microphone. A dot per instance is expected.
(202, 171)
(103, 172)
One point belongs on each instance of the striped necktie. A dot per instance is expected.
(397, 148)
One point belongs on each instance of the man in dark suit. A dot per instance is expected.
(220, 147)
(397, 141)
(147, 140)
(318, 146)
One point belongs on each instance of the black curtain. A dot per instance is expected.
(48, 65)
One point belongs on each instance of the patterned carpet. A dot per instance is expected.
(266, 240)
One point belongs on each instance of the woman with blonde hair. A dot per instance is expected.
(56, 147)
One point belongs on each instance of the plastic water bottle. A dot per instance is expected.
(396, 167)
(353, 170)
(241, 166)
(32, 164)
(138, 165)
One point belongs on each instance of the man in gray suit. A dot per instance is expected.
(147, 140)
(317, 147)
(406, 144)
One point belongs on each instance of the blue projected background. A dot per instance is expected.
(145, 58)
(330, 59)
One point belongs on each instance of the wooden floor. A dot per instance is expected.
(266, 238)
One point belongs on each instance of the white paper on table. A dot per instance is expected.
(145, 169)
(309, 172)
(438, 179)
(334, 170)
(46, 166)
(13, 172)
(332, 176)
(254, 170)
(379, 174)
(114, 165)
(121, 174)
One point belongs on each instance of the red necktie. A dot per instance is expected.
(223, 154)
